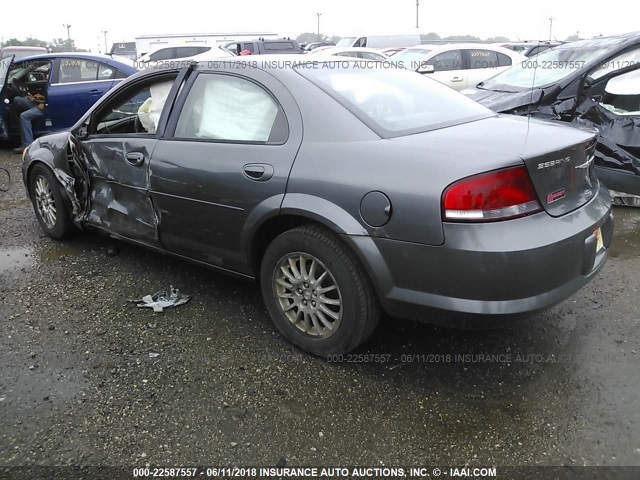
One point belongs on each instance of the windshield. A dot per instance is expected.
(393, 101)
(545, 69)
(410, 58)
(346, 42)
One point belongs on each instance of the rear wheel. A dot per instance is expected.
(49, 203)
(316, 293)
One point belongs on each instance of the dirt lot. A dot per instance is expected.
(86, 378)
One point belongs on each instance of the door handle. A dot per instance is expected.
(258, 172)
(95, 92)
(135, 158)
(456, 79)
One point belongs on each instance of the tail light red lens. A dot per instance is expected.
(492, 196)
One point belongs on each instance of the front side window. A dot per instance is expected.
(230, 109)
(447, 61)
(362, 42)
(135, 111)
(29, 72)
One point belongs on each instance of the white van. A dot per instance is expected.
(381, 41)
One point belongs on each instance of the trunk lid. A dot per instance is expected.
(561, 166)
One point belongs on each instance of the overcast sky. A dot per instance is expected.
(124, 20)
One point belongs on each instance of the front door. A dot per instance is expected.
(225, 161)
(121, 138)
(449, 69)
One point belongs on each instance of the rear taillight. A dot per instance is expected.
(491, 196)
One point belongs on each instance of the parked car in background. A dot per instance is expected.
(171, 53)
(351, 52)
(591, 82)
(381, 41)
(458, 65)
(530, 48)
(264, 47)
(312, 46)
(18, 52)
(70, 82)
(344, 190)
(392, 51)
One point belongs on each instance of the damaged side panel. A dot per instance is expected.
(120, 201)
(106, 181)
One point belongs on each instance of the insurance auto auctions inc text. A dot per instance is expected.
(352, 472)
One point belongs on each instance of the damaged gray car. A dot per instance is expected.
(592, 83)
(347, 188)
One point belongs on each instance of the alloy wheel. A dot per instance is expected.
(308, 294)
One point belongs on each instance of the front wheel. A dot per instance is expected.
(316, 293)
(52, 211)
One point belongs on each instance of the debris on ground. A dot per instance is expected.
(161, 300)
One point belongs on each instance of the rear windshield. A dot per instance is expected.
(393, 101)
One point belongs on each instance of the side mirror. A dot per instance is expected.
(83, 131)
(426, 69)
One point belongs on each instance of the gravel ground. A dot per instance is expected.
(86, 378)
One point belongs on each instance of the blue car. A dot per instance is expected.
(70, 82)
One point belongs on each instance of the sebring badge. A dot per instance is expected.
(554, 163)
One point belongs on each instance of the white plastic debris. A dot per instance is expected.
(162, 300)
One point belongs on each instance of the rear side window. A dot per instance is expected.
(231, 109)
(106, 72)
(482, 59)
(163, 54)
(504, 60)
(279, 46)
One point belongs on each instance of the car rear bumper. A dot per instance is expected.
(511, 268)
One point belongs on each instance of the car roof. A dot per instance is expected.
(117, 61)
(613, 40)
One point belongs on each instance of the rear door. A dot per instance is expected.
(224, 163)
(76, 84)
(449, 69)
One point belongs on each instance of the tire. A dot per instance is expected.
(321, 320)
(51, 205)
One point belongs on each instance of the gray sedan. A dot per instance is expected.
(346, 188)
